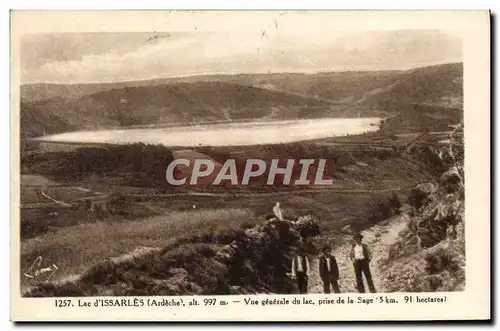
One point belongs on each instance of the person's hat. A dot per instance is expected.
(358, 236)
(326, 248)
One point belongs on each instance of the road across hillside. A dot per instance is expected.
(209, 194)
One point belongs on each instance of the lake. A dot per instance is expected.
(226, 134)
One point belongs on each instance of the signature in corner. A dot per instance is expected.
(157, 36)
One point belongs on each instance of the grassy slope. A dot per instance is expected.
(75, 248)
(225, 261)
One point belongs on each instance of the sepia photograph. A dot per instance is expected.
(282, 158)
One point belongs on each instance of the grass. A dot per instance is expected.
(32, 194)
(334, 210)
(75, 248)
(218, 261)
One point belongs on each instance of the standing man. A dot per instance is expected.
(278, 212)
(300, 270)
(329, 270)
(360, 256)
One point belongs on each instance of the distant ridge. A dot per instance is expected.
(55, 108)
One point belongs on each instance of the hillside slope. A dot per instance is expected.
(342, 87)
(438, 86)
(419, 98)
(429, 254)
(227, 261)
(179, 103)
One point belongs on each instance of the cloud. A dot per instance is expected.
(226, 52)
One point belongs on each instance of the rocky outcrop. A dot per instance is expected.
(430, 254)
(253, 260)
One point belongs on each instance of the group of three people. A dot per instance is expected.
(329, 270)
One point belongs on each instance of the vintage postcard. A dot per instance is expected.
(250, 165)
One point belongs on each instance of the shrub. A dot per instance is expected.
(420, 195)
(117, 202)
(439, 261)
(143, 164)
(395, 203)
(379, 210)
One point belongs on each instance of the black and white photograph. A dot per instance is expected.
(278, 160)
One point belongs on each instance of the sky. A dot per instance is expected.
(122, 56)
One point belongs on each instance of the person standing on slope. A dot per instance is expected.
(329, 271)
(300, 270)
(278, 212)
(360, 257)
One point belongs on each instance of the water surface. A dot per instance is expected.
(226, 134)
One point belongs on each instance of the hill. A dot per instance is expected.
(178, 103)
(343, 87)
(440, 86)
(420, 97)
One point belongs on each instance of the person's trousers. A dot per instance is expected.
(333, 282)
(302, 282)
(363, 267)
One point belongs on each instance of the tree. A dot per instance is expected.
(117, 202)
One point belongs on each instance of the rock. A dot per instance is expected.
(174, 285)
(428, 188)
(347, 229)
(178, 273)
(451, 180)
(238, 290)
(421, 194)
(307, 226)
(227, 253)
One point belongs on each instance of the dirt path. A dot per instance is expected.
(62, 203)
(378, 238)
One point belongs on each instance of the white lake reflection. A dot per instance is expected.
(226, 134)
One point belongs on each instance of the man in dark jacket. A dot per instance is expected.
(329, 271)
(360, 257)
(300, 270)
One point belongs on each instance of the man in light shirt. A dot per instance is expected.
(329, 271)
(300, 270)
(360, 257)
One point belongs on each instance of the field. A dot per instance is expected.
(153, 216)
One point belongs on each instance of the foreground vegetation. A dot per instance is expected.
(75, 240)
(430, 253)
(251, 259)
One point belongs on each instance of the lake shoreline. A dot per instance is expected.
(242, 133)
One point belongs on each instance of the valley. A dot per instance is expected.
(93, 157)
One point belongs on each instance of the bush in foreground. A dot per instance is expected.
(255, 260)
